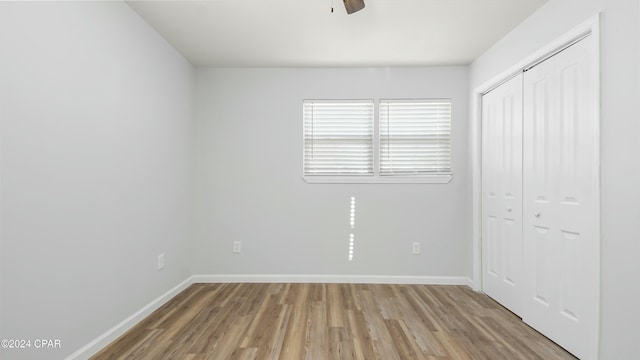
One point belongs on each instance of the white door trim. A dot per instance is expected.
(592, 26)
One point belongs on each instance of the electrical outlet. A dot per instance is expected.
(160, 261)
(415, 250)
(237, 246)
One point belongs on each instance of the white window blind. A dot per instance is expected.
(338, 137)
(415, 137)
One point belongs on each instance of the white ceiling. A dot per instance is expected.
(306, 33)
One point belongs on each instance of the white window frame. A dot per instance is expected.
(377, 178)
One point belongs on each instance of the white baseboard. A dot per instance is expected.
(335, 279)
(110, 335)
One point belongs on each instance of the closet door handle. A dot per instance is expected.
(508, 209)
(537, 215)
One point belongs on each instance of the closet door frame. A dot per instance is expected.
(592, 27)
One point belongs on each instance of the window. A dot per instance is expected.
(415, 137)
(338, 137)
(409, 141)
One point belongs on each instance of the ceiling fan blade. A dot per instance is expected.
(353, 5)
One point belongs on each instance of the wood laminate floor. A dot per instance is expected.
(331, 321)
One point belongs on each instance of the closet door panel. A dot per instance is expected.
(502, 194)
(561, 199)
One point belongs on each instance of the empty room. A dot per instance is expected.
(320, 179)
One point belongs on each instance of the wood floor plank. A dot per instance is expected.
(335, 306)
(295, 341)
(401, 342)
(318, 292)
(413, 340)
(452, 346)
(274, 346)
(317, 332)
(382, 341)
(418, 325)
(241, 354)
(195, 357)
(331, 321)
(145, 346)
(124, 344)
(228, 340)
(349, 298)
(360, 335)
(225, 335)
(167, 349)
(422, 309)
(230, 323)
(340, 345)
(263, 324)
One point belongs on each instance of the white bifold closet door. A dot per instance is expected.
(561, 199)
(502, 194)
(540, 197)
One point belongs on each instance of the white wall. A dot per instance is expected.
(620, 313)
(96, 156)
(249, 186)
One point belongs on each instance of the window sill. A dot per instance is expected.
(424, 179)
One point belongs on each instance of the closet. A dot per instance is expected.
(540, 196)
